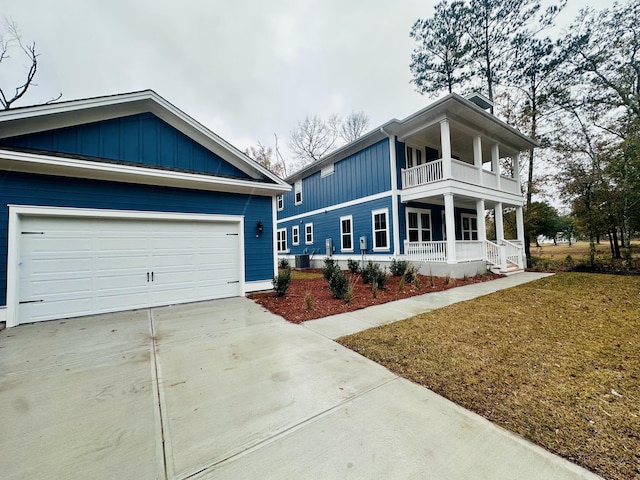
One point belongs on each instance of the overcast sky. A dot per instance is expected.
(246, 69)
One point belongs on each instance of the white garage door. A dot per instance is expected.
(71, 267)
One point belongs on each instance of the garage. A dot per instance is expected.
(69, 266)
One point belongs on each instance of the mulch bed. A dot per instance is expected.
(293, 306)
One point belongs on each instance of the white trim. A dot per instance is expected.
(17, 211)
(350, 203)
(274, 244)
(395, 209)
(342, 234)
(258, 286)
(294, 235)
(279, 241)
(76, 112)
(470, 216)
(373, 230)
(308, 229)
(297, 188)
(68, 167)
(419, 211)
(3, 314)
(327, 170)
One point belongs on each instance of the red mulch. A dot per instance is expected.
(293, 306)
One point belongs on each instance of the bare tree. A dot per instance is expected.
(353, 126)
(313, 138)
(264, 156)
(12, 40)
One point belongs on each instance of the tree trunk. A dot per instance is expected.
(613, 251)
(616, 246)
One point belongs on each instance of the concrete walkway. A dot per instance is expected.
(227, 390)
(337, 326)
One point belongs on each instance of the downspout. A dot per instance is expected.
(395, 211)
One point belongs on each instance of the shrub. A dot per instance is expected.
(398, 267)
(283, 263)
(354, 266)
(281, 282)
(330, 267)
(410, 273)
(339, 284)
(372, 274)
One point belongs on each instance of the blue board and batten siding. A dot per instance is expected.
(364, 173)
(141, 139)
(31, 189)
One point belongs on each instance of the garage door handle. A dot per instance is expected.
(147, 276)
(152, 276)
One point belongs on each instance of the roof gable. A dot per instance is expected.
(141, 139)
(28, 121)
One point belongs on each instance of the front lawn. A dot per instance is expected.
(556, 361)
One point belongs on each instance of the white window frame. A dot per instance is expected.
(412, 152)
(419, 212)
(295, 235)
(344, 235)
(470, 231)
(308, 233)
(297, 190)
(327, 170)
(280, 202)
(376, 247)
(281, 240)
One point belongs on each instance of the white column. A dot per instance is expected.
(477, 156)
(516, 169)
(499, 222)
(395, 199)
(519, 224)
(450, 224)
(482, 226)
(495, 161)
(445, 144)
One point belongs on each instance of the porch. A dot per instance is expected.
(504, 256)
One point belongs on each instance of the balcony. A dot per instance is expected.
(436, 171)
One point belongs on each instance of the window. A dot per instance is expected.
(346, 234)
(281, 240)
(326, 171)
(308, 234)
(409, 157)
(418, 225)
(418, 157)
(280, 202)
(295, 235)
(469, 227)
(380, 230)
(297, 188)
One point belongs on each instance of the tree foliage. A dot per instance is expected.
(265, 157)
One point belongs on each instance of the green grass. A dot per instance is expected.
(556, 361)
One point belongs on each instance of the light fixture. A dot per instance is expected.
(259, 228)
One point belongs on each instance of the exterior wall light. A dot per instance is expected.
(259, 228)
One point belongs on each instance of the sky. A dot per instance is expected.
(246, 69)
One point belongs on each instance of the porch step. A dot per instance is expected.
(511, 270)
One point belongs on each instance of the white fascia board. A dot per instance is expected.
(462, 189)
(68, 167)
(104, 108)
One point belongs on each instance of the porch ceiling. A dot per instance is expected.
(460, 202)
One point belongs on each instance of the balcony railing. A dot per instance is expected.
(504, 254)
(432, 172)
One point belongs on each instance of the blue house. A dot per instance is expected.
(414, 189)
(123, 202)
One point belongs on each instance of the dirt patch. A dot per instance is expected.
(308, 288)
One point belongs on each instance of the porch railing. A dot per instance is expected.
(500, 255)
(434, 171)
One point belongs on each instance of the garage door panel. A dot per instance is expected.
(82, 266)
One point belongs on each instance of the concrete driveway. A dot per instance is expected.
(226, 390)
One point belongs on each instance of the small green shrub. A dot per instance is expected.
(283, 263)
(281, 282)
(330, 267)
(372, 274)
(354, 266)
(398, 267)
(339, 284)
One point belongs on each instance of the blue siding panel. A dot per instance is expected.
(29, 189)
(364, 173)
(141, 139)
(327, 225)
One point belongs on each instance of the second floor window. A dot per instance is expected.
(297, 191)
